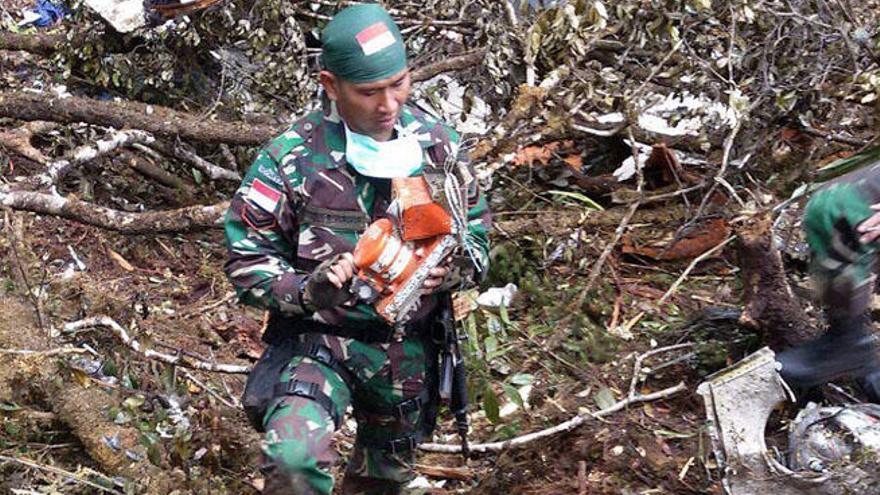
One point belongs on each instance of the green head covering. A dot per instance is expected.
(362, 44)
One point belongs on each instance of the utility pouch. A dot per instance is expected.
(260, 387)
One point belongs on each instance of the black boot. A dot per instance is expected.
(848, 349)
(870, 385)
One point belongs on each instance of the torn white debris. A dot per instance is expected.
(496, 297)
(685, 115)
(124, 15)
(79, 264)
(826, 457)
(822, 439)
(450, 106)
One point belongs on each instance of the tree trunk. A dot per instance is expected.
(161, 121)
(188, 219)
(40, 44)
(768, 301)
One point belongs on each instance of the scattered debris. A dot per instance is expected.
(124, 15)
(498, 296)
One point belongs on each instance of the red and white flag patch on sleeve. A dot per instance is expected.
(375, 38)
(263, 195)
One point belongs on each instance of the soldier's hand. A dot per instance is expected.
(341, 271)
(870, 228)
(328, 285)
(436, 277)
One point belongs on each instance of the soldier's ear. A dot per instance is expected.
(330, 84)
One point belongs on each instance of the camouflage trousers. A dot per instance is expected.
(841, 266)
(297, 450)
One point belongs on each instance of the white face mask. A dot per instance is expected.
(399, 157)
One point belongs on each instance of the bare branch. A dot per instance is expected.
(187, 219)
(187, 155)
(40, 44)
(450, 64)
(161, 121)
(66, 474)
(19, 140)
(693, 265)
(178, 360)
(562, 427)
(83, 154)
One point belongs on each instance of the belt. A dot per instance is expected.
(281, 328)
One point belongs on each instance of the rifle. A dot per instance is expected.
(452, 385)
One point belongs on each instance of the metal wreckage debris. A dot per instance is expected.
(832, 450)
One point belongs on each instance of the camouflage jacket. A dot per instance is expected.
(302, 203)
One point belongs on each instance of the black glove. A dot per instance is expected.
(319, 292)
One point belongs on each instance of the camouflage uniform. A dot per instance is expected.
(841, 265)
(300, 204)
(842, 268)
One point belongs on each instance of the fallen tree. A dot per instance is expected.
(167, 122)
(157, 120)
(84, 410)
(187, 219)
(40, 44)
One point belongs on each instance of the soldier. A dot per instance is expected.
(290, 230)
(842, 227)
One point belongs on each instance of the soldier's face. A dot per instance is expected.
(372, 108)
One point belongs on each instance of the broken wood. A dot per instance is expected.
(148, 168)
(18, 140)
(82, 410)
(184, 153)
(83, 154)
(450, 64)
(768, 301)
(160, 121)
(179, 360)
(189, 219)
(452, 473)
(40, 44)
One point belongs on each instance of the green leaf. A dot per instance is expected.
(522, 379)
(604, 398)
(844, 165)
(672, 434)
(9, 406)
(514, 395)
(491, 344)
(134, 402)
(197, 176)
(578, 197)
(505, 317)
(490, 404)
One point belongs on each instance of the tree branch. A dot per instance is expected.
(83, 154)
(178, 360)
(187, 219)
(450, 64)
(181, 152)
(40, 44)
(160, 121)
(566, 426)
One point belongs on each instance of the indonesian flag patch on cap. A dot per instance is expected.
(264, 196)
(375, 38)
